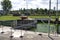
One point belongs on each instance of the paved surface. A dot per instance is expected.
(27, 35)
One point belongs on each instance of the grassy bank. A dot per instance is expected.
(18, 17)
(9, 17)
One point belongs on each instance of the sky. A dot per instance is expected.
(18, 4)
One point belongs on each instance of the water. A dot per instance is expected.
(45, 27)
(41, 27)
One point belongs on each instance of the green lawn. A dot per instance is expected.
(39, 16)
(42, 17)
(18, 17)
(9, 17)
(52, 17)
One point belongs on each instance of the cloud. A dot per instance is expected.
(17, 4)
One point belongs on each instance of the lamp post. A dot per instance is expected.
(54, 10)
(57, 9)
(26, 6)
(49, 17)
(57, 18)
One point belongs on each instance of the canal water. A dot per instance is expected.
(45, 27)
(41, 27)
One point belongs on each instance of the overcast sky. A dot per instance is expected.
(17, 4)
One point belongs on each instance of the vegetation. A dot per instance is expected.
(6, 6)
(38, 12)
(9, 18)
(31, 13)
(18, 17)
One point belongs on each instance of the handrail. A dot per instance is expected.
(50, 37)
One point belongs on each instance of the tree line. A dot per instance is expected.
(38, 11)
(6, 6)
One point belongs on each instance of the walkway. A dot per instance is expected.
(27, 35)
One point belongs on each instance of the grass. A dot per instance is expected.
(42, 17)
(9, 17)
(39, 16)
(18, 17)
(52, 17)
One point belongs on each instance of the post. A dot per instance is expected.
(2, 27)
(57, 9)
(11, 31)
(26, 6)
(57, 18)
(54, 10)
(49, 17)
(21, 31)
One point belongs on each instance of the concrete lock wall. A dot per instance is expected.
(26, 24)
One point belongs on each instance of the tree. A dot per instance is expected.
(24, 11)
(6, 6)
(31, 10)
(37, 9)
(41, 11)
(45, 11)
